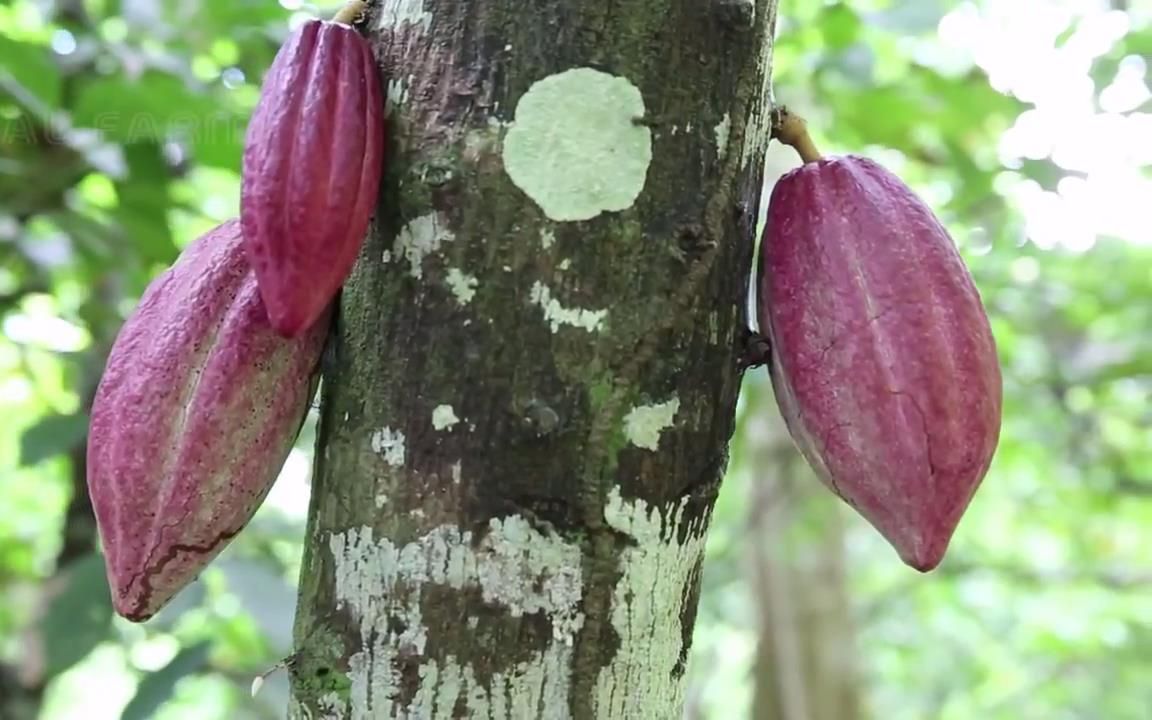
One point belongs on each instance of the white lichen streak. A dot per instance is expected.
(557, 315)
(396, 95)
(757, 127)
(641, 682)
(463, 286)
(390, 444)
(396, 13)
(418, 239)
(514, 566)
(644, 423)
(547, 237)
(330, 705)
(721, 131)
(575, 147)
(443, 416)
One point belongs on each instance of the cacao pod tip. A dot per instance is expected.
(920, 539)
(923, 557)
(136, 611)
(923, 565)
(792, 130)
(286, 322)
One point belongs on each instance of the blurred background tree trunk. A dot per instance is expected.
(806, 661)
(525, 420)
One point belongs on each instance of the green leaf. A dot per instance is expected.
(53, 435)
(1138, 42)
(151, 107)
(79, 617)
(157, 687)
(31, 68)
(145, 201)
(219, 142)
(230, 14)
(840, 26)
(93, 238)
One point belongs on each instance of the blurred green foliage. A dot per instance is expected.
(121, 124)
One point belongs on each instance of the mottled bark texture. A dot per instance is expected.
(526, 415)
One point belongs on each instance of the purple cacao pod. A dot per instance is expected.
(883, 361)
(313, 157)
(196, 412)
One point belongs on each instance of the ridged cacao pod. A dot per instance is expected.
(196, 412)
(312, 162)
(883, 361)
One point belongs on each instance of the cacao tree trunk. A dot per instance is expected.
(526, 414)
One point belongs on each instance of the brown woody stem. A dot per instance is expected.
(351, 12)
(791, 130)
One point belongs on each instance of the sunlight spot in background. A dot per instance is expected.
(299, 18)
(292, 490)
(1106, 150)
(232, 78)
(98, 687)
(63, 42)
(39, 325)
(1025, 270)
(1128, 91)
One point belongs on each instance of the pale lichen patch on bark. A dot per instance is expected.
(514, 565)
(537, 688)
(396, 94)
(644, 423)
(418, 239)
(444, 416)
(713, 328)
(722, 128)
(390, 444)
(463, 286)
(576, 147)
(643, 680)
(332, 705)
(557, 315)
(517, 556)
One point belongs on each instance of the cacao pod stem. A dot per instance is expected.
(791, 130)
(351, 12)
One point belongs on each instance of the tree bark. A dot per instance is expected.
(526, 414)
